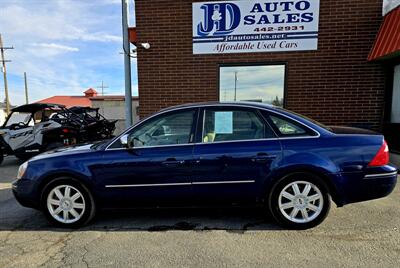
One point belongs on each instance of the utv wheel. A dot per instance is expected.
(299, 201)
(67, 203)
(23, 157)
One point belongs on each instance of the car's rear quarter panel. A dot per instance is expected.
(341, 159)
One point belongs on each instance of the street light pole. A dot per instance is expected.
(235, 84)
(127, 64)
(26, 89)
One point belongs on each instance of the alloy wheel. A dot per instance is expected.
(66, 204)
(301, 201)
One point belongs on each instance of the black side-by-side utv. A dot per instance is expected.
(35, 128)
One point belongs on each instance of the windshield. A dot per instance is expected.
(18, 117)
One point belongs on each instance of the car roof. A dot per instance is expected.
(217, 103)
(257, 105)
(34, 107)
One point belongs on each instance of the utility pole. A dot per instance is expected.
(102, 87)
(3, 61)
(127, 64)
(26, 89)
(236, 79)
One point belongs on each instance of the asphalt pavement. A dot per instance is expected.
(358, 235)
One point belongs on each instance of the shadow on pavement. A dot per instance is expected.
(17, 218)
(14, 217)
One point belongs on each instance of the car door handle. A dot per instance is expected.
(172, 162)
(263, 158)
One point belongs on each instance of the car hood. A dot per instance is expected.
(71, 150)
(351, 130)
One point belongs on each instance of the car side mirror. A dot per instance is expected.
(124, 141)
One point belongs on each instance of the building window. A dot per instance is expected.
(261, 83)
(395, 115)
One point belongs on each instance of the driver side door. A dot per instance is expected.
(156, 169)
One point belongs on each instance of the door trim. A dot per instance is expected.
(178, 184)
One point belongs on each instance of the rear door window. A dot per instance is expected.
(234, 125)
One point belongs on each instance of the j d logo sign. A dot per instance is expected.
(255, 26)
(219, 19)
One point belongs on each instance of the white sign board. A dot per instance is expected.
(255, 26)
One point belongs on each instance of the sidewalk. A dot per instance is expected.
(395, 159)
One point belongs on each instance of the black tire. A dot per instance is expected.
(86, 198)
(304, 217)
(53, 145)
(1, 157)
(23, 157)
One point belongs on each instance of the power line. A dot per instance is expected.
(4, 70)
(102, 87)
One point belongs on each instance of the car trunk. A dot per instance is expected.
(351, 130)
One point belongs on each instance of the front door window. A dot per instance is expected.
(170, 129)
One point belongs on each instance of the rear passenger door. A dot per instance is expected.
(233, 155)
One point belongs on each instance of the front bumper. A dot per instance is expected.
(24, 193)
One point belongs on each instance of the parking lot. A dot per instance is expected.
(359, 235)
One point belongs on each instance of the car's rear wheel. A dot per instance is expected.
(299, 201)
(67, 203)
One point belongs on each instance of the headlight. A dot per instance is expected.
(21, 170)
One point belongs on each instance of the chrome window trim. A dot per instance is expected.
(380, 175)
(213, 105)
(178, 184)
(154, 146)
(217, 142)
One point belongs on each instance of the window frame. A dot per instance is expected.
(249, 64)
(201, 123)
(157, 116)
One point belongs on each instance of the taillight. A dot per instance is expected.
(382, 156)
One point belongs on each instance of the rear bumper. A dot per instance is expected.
(377, 183)
(23, 191)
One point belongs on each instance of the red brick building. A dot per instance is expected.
(330, 80)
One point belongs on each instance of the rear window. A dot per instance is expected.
(286, 127)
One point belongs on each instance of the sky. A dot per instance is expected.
(262, 82)
(64, 46)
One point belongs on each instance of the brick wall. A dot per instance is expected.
(335, 84)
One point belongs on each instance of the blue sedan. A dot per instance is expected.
(212, 154)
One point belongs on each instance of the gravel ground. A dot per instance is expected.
(358, 235)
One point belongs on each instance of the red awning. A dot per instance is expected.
(387, 43)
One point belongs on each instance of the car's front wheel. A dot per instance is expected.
(67, 203)
(300, 201)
